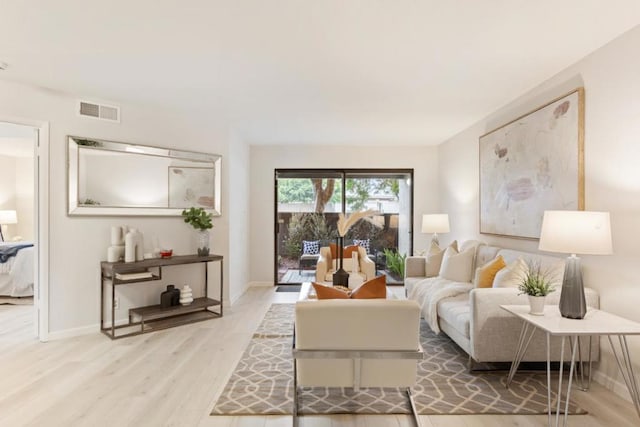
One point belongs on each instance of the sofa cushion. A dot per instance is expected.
(485, 253)
(347, 264)
(457, 266)
(456, 311)
(484, 275)
(434, 260)
(511, 276)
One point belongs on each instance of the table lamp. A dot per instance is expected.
(435, 223)
(575, 232)
(7, 217)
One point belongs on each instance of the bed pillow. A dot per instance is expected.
(511, 276)
(457, 266)
(485, 274)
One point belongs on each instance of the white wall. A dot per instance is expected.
(7, 182)
(78, 244)
(238, 166)
(24, 199)
(612, 177)
(265, 159)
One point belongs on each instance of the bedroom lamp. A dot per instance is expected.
(575, 232)
(435, 223)
(7, 217)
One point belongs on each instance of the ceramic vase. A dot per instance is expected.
(203, 242)
(186, 295)
(536, 305)
(340, 277)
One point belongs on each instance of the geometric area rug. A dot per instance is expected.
(262, 382)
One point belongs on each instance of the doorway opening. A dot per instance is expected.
(308, 203)
(20, 243)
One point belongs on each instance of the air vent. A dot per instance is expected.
(99, 111)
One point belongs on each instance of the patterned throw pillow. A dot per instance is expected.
(310, 247)
(364, 243)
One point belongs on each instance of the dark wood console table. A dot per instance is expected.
(154, 317)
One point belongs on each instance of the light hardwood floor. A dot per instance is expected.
(173, 377)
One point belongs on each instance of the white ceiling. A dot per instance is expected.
(308, 71)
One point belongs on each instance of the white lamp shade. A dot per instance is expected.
(576, 232)
(8, 217)
(435, 223)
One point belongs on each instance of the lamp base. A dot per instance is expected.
(573, 303)
(341, 277)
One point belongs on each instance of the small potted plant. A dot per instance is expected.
(199, 219)
(536, 284)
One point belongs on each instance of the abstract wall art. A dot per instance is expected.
(191, 186)
(532, 164)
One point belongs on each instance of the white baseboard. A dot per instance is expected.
(619, 388)
(74, 332)
(82, 330)
(261, 284)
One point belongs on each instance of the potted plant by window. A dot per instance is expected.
(536, 284)
(199, 219)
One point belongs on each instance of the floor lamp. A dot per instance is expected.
(7, 217)
(435, 223)
(575, 232)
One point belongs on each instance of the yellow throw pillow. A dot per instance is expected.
(485, 274)
(374, 288)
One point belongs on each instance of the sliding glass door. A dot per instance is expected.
(308, 203)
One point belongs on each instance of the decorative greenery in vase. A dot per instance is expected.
(536, 282)
(199, 219)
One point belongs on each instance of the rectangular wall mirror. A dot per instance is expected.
(114, 178)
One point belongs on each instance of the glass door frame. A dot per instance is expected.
(344, 175)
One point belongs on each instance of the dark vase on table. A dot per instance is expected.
(340, 277)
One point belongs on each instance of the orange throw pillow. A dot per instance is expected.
(374, 288)
(329, 292)
(348, 250)
(334, 250)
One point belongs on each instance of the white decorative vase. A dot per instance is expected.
(536, 305)
(186, 295)
(203, 242)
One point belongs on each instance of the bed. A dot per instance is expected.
(16, 272)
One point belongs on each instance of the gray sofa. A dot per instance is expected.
(474, 319)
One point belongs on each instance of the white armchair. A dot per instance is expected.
(368, 353)
(326, 265)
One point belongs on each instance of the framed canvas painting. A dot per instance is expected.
(191, 186)
(532, 164)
